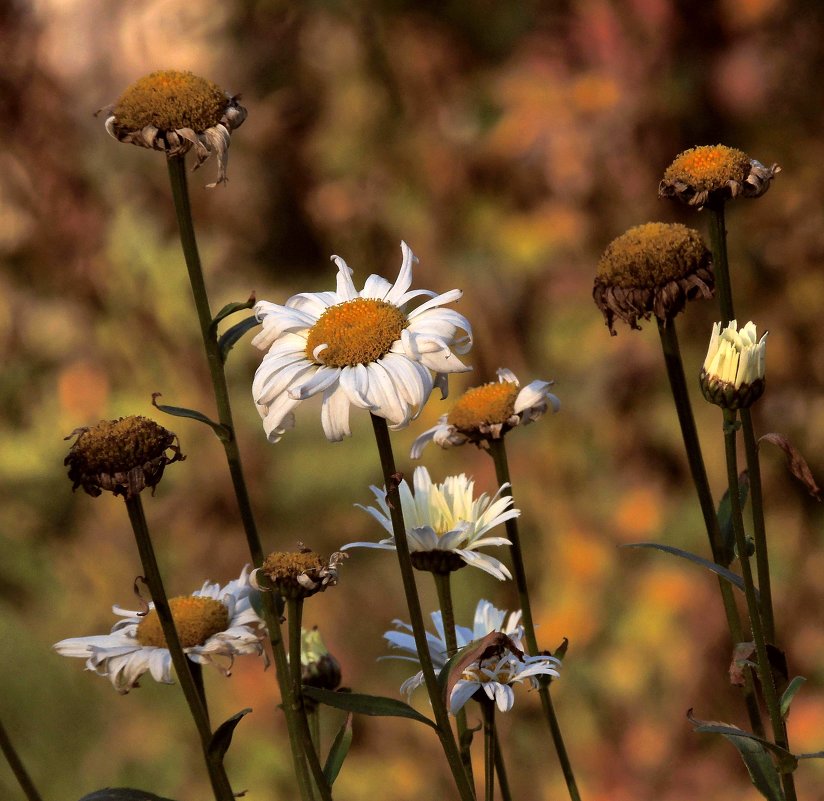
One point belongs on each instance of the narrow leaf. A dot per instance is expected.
(231, 308)
(338, 751)
(122, 794)
(228, 339)
(375, 705)
(787, 698)
(796, 463)
(222, 738)
(725, 518)
(223, 433)
(816, 755)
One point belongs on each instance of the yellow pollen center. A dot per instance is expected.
(357, 331)
(708, 167)
(169, 100)
(488, 404)
(196, 619)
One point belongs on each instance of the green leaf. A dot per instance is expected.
(223, 433)
(786, 699)
(222, 738)
(338, 751)
(122, 794)
(366, 704)
(725, 518)
(231, 308)
(232, 335)
(256, 600)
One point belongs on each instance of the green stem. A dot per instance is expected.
(197, 677)
(444, 588)
(764, 669)
(488, 712)
(497, 451)
(180, 195)
(217, 773)
(391, 482)
(17, 767)
(500, 770)
(720, 262)
(695, 459)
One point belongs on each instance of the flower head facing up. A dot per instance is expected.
(366, 349)
(701, 174)
(733, 372)
(488, 412)
(494, 676)
(175, 111)
(299, 574)
(214, 624)
(122, 456)
(652, 269)
(445, 523)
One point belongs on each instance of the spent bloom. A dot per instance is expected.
(488, 412)
(214, 624)
(733, 372)
(298, 574)
(367, 349)
(445, 523)
(494, 675)
(715, 172)
(175, 112)
(653, 268)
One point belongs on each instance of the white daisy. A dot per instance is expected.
(214, 624)
(494, 675)
(488, 412)
(445, 524)
(366, 348)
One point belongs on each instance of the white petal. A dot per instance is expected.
(461, 693)
(404, 279)
(334, 414)
(346, 289)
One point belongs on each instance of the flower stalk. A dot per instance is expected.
(17, 766)
(488, 713)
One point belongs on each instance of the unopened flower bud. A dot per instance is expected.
(733, 372)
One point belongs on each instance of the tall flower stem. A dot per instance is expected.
(765, 673)
(720, 261)
(497, 451)
(17, 767)
(183, 210)
(214, 764)
(391, 482)
(488, 712)
(695, 459)
(500, 770)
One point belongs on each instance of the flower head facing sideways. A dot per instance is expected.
(445, 523)
(214, 624)
(367, 348)
(488, 412)
(494, 675)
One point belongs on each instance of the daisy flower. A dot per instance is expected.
(367, 349)
(495, 675)
(445, 523)
(214, 624)
(488, 412)
(733, 373)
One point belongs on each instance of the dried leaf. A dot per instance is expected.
(796, 463)
(492, 645)
(742, 656)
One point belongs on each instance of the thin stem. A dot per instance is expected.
(17, 767)
(695, 459)
(500, 769)
(497, 451)
(391, 482)
(488, 713)
(197, 677)
(720, 262)
(764, 669)
(217, 773)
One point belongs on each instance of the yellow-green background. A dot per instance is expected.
(508, 143)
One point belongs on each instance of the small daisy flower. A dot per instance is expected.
(488, 412)
(174, 112)
(652, 269)
(733, 373)
(214, 624)
(445, 523)
(298, 574)
(366, 349)
(702, 174)
(495, 675)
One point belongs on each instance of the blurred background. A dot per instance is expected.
(508, 143)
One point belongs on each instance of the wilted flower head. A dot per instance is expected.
(652, 269)
(488, 412)
(299, 574)
(175, 111)
(122, 456)
(445, 523)
(214, 625)
(733, 372)
(367, 349)
(701, 174)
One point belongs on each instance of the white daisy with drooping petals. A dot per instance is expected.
(445, 523)
(367, 349)
(214, 625)
(495, 676)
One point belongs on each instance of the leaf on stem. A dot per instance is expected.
(362, 704)
(228, 339)
(338, 751)
(223, 433)
(796, 463)
(222, 738)
(742, 658)
(725, 517)
(231, 308)
(787, 698)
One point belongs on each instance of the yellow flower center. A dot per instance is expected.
(488, 404)
(358, 331)
(708, 167)
(196, 619)
(290, 564)
(169, 100)
(652, 255)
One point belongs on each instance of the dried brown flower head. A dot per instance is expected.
(299, 574)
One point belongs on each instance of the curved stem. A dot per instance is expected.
(217, 773)
(391, 482)
(497, 451)
(488, 712)
(17, 767)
